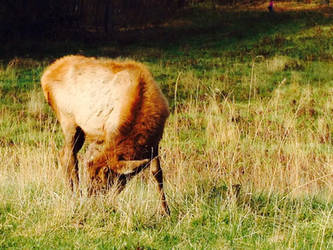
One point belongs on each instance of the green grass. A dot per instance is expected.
(252, 104)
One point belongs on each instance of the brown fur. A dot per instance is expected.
(115, 102)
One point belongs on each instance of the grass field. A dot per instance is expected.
(252, 104)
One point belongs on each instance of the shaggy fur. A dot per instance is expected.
(116, 103)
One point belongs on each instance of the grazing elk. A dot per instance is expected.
(116, 103)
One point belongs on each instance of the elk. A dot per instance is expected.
(114, 103)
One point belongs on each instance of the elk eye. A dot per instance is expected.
(105, 170)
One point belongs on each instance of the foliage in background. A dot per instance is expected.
(21, 19)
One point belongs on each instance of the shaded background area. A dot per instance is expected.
(35, 27)
(44, 18)
(33, 19)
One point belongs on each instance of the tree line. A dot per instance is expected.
(32, 17)
(35, 18)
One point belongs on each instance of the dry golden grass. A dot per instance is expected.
(261, 145)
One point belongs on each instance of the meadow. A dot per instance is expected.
(247, 152)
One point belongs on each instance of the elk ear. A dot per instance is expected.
(130, 167)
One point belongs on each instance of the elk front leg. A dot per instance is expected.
(74, 139)
(156, 170)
